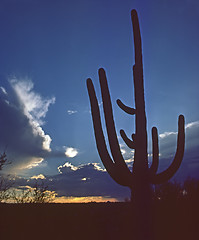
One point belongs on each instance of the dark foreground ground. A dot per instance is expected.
(111, 221)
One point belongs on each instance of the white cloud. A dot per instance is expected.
(67, 166)
(168, 140)
(31, 162)
(22, 113)
(126, 151)
(123, 151)
(187, 127)
(130, 160)
(35, 107)
(97, 167)
(166, 134)
(70, 112)
(3, 90)
(38, 131)
(192, 124)
(71, 152)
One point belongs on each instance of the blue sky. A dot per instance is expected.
(47, 51)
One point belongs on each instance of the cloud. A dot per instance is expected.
(167, 134)
(34, 106)
(128, 154)
(75, 183)
(40, 176)
(91, 181)
(192, 135)
(86, 180)
(3, 90)
(168, 145)
(67, 167)
(70, 112)
(22, 113)
(167, 148)
(71, 152)
(168, 140)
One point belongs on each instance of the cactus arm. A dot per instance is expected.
(110, 126)
(114, 172)
(171, 170)
(155, 149)
(125, 108)
(129, 143)
(100, 141)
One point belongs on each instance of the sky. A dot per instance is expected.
(47, 51)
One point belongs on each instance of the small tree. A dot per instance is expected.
(39, 193)
(3, 160)
(21, 196)
(5, 181)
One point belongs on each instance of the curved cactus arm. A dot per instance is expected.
(117, 175)
(155, 149)
(125, 108)
(171, 170)
(129, 143)
(110, 126)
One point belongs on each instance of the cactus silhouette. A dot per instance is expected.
(142, 175)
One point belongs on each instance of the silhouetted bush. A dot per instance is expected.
(191, 189)
(172, 191)
(39, 193)
(5, 181)
(168, 191)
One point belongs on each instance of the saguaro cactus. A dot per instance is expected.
(142, 175)
(117, 167)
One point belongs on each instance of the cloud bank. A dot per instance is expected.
(168, 140)
(87, 180)
(22, 113)
(92, 180)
